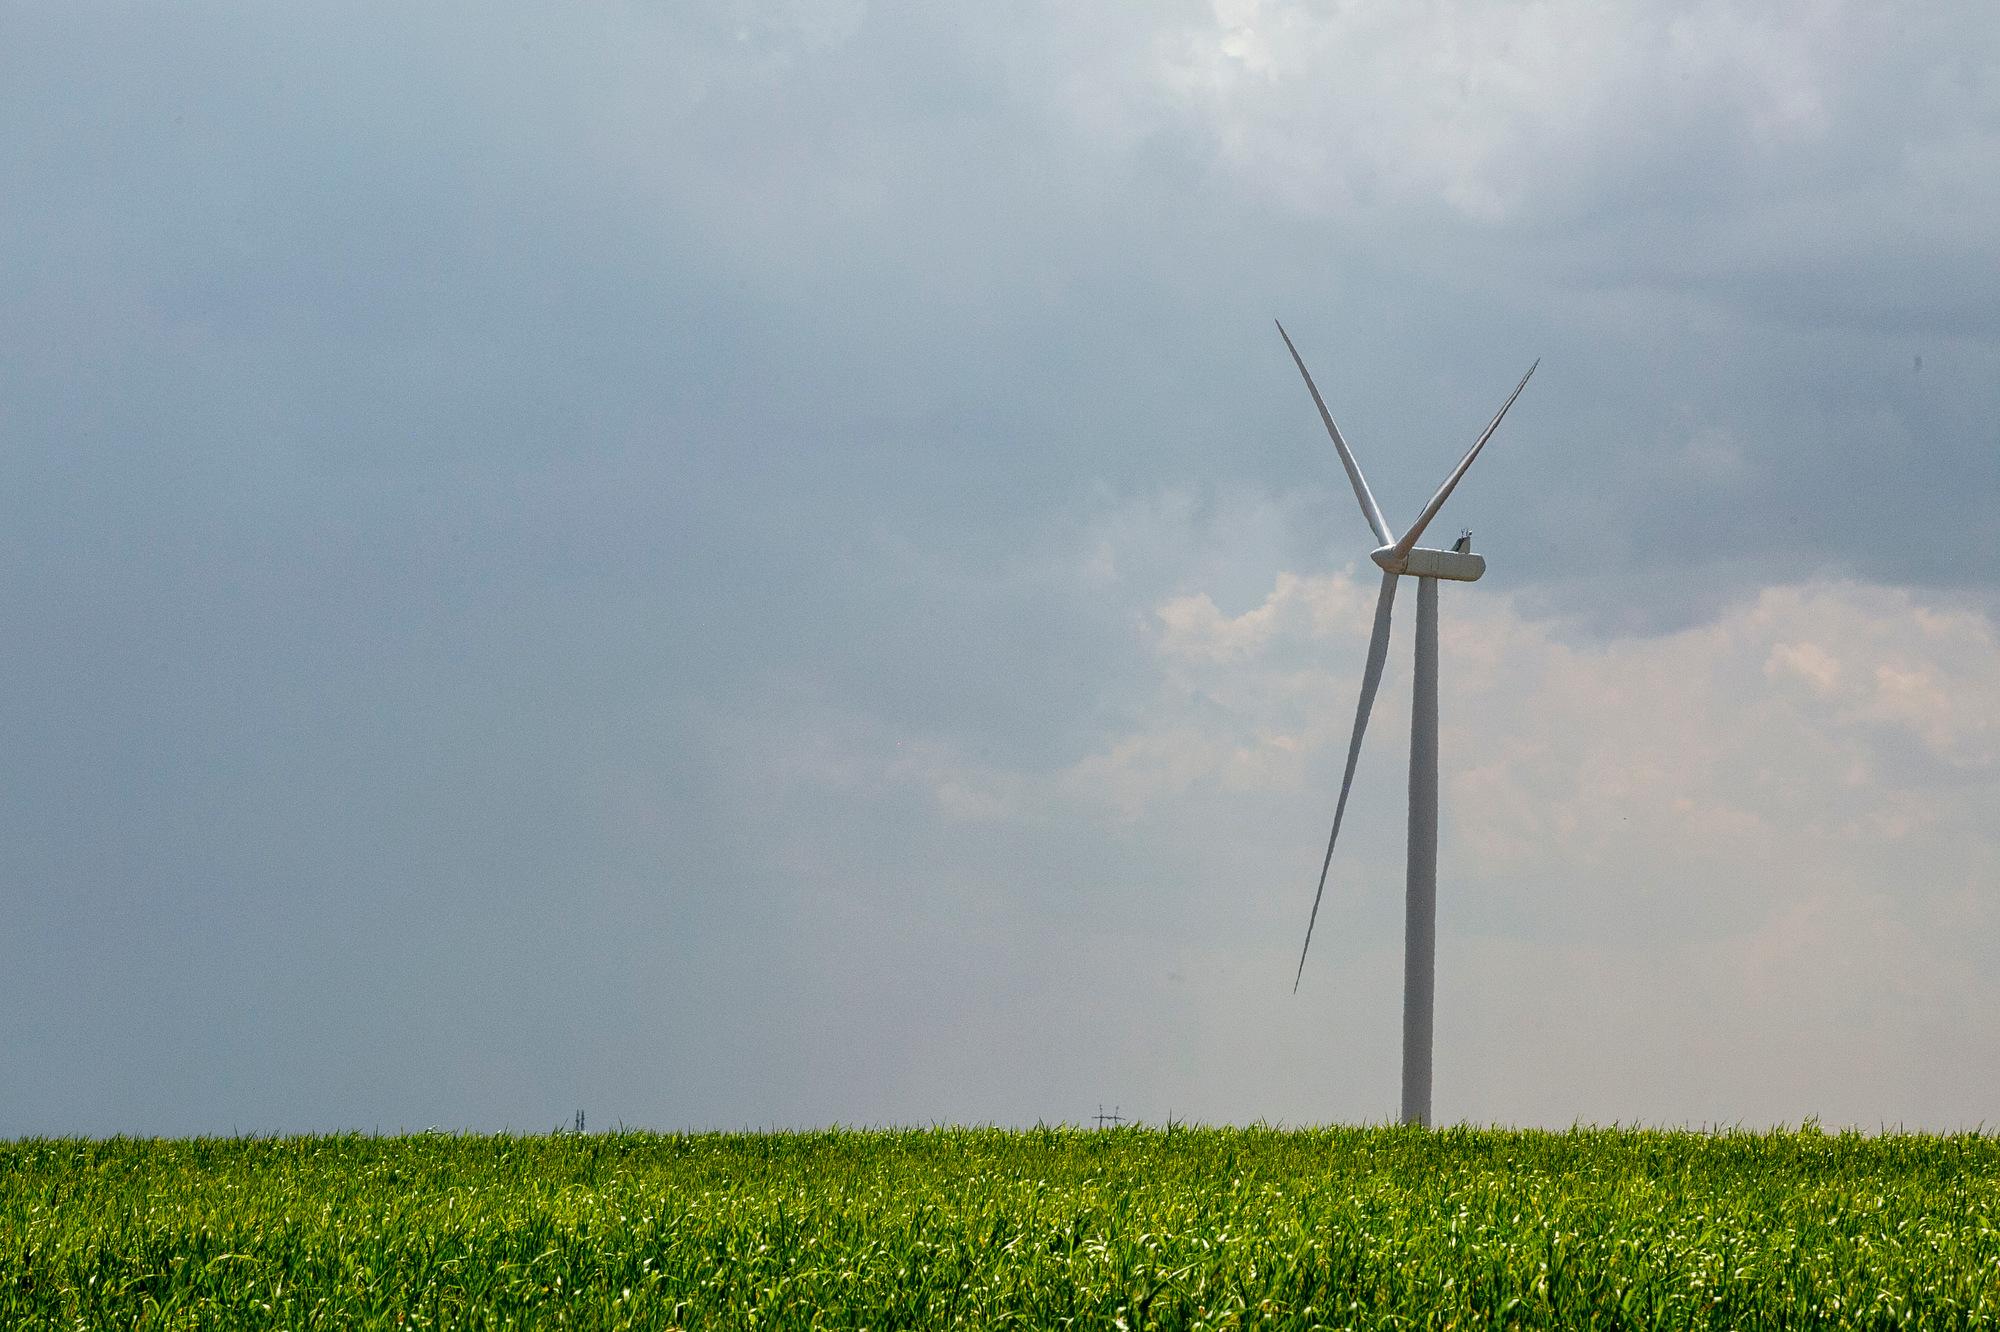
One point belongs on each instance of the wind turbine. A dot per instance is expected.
(1398, 558)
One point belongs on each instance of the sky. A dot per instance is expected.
(764, 565)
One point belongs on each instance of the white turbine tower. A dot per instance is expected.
(1404, 558)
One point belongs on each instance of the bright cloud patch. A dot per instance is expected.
(1483, 106)
(1804, 727)
(1745, 871)
(1753, 844)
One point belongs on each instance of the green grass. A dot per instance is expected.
(984, 1228)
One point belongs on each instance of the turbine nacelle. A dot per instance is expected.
(1461, 566)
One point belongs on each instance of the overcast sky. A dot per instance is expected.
(764, 565)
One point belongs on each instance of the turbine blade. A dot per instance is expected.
(1371, 677)
(1409, 541)
(1369, 509)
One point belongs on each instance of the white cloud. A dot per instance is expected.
(1833, 157)
(1751, 726)
(1484, 107)
(1762, 845)
(1741, 872)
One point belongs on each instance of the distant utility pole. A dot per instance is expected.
(1114, 1118)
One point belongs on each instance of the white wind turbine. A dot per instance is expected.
(1403, 558)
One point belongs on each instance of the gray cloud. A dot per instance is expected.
(593, 559)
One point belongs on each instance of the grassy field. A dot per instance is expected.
(1131, 1228)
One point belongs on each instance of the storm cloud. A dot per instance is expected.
(764, 564)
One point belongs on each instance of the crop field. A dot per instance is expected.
(1126, 1228)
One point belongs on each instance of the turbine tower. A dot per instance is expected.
(1403, 558)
